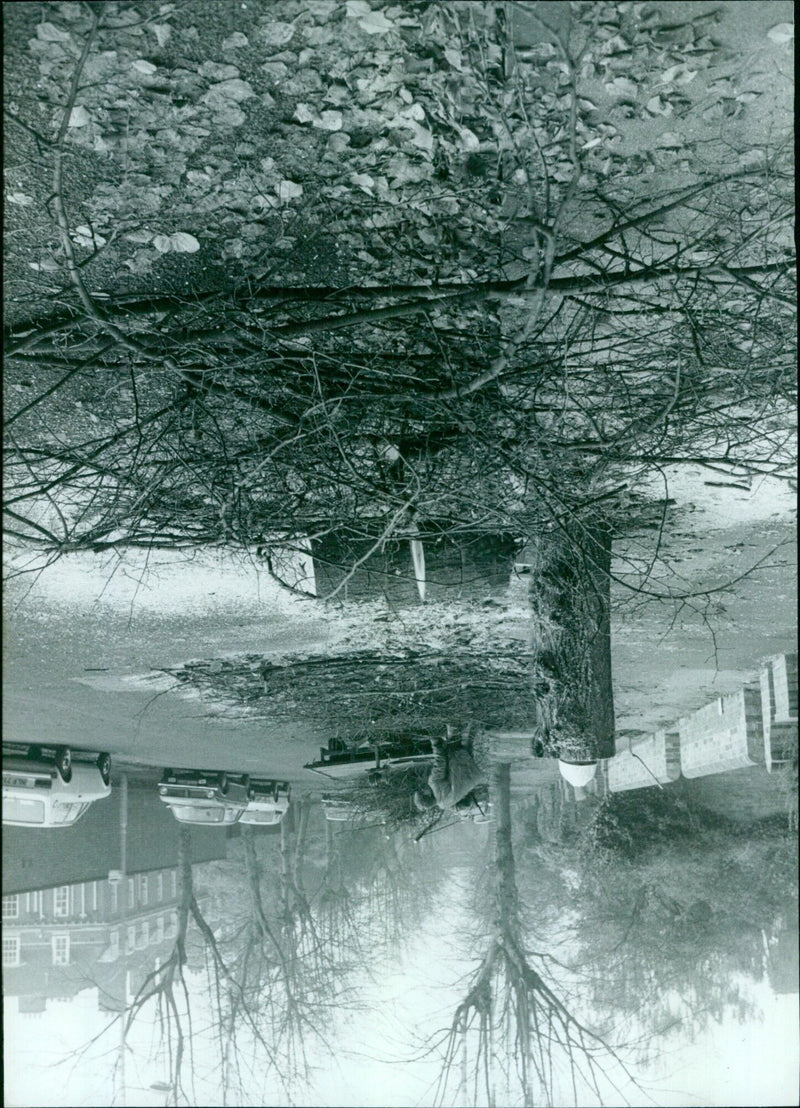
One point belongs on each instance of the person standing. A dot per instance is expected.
(453, 778)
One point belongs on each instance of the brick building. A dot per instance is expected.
(109, 934)
(71, 921)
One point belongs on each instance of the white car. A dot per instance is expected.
(205, 796)
(269, 802)
(51, 787)
(339, 810)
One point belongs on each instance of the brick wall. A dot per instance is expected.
(726, 734)
(656, 759)
(778, 689)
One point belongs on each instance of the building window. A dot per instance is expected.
(11, 906)
(131, 892)
(11, 950)
(94, 896)
(60, 950)
(61, 901)
(114, 896)
(145, 938)
(160, 929)
(130, 939)
(174, 880)
(143, 888)
(160, 886)
(114, 940)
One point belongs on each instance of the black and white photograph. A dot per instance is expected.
(400, 566)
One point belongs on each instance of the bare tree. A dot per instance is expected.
(518, 399)
(512, 1030)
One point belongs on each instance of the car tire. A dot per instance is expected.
(35, 753)
(222, 783)
(104, 765)
(63, 762)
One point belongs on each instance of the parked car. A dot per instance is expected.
(205, 796)
(344, 766)
(269, 802)
(340, 810)
(51, 786)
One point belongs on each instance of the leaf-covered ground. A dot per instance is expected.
(339, 143)
(298, 266)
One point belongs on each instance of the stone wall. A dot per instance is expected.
(656, 760)
(726, 734)
(778, 688)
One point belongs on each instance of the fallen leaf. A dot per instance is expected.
(140, 263)
(217, 71)
(163, 33)
(781, 33)
(83, 236)
(469, 140)
(184, 243)
(421, 137)
(289, 190)
(276, 71)
(227, 114)
(363, 181)
(329, 121)
(233, 89)
(304, 114)
(656, 106)
(749, 159)
(669, 141)
(138, 236)
(375, 23)
(20, 198)
(678, 74)
(79, 117)
(622, 86)
(143, 66)
(453, 56)
(48, 32)
(338, 142)
(234, 41)
(276, 33)
(162, 244)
